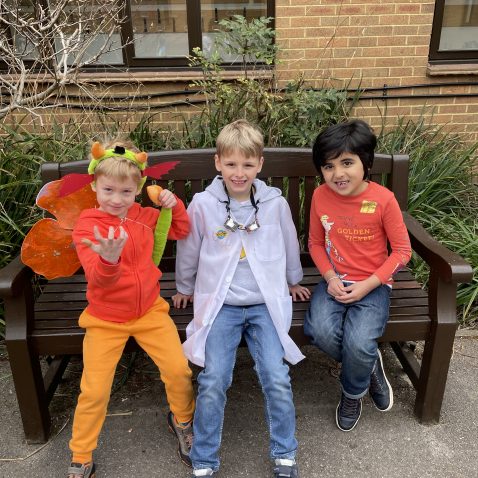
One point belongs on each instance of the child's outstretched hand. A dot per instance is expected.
(298, 292)
(180, 301)
(109, 248)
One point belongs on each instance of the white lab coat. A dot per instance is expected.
(207, 258)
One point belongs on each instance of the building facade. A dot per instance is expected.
(411, 58)
(408, 58)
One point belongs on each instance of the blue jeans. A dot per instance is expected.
(231, 324)
(348, 333)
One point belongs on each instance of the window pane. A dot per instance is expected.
(97, 20)
(214, 11)
(160, 28)
(460, 25)
(81, 41)
(24, 48)
(111, 46)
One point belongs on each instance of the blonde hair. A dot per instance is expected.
(118, 167)
(240, 136)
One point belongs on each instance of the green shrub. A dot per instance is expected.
(288, 117)
(442, 196)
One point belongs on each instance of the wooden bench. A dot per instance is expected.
(46, 325)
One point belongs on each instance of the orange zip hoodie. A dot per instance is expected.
(126, 290)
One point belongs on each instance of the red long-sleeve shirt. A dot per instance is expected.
(349, 234)
(126, 290)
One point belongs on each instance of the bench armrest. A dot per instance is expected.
(16, 289)
(449, 266)
(14, 277)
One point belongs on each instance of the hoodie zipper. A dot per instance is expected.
(134, 263)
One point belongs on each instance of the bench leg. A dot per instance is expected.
(437, 353)
(57, 365)
(408, 360)
(29, 387)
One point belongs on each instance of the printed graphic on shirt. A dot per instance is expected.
(329, 246)
(242, 255)
(221, 234)
(368, 207)
(356, 234)
(353, 232)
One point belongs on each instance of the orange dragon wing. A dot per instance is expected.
(48, 247)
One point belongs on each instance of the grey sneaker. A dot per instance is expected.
(85, 470)
(285, 468)
(184, 436)
(348, 413)
(203, 472)
(380, 389)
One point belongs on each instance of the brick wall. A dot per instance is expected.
(369, 44)
(332, 43)
(121, 100)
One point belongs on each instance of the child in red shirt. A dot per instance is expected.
(351, 221)
(115, 244)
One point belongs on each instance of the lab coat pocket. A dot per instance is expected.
(269, 245)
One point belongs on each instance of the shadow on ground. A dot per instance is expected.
(135, 439)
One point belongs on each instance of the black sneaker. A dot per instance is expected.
(285, 468)
(348, 413)
(380, 389)
(184, 436)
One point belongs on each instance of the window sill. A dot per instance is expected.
(452, 69)
(185, 76)
(168, 76)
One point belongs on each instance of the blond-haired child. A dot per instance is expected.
(115, 243)
(241, 262)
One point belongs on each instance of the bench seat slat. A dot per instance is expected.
(70, 326)
(64, 305)
(51, 324)
(398, 309)
(57, 296)
(72, 339)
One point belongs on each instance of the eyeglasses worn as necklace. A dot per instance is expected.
(232, 225)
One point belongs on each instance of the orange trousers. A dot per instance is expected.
(103, 345)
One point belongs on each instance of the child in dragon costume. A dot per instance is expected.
(115, 244)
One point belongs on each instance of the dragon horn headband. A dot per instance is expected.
(99, 153)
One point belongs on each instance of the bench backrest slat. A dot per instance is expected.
(196, 169)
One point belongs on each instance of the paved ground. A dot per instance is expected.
(135, 441)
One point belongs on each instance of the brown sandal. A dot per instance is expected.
(81, 470)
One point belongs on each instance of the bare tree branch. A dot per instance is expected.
(45, 44)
